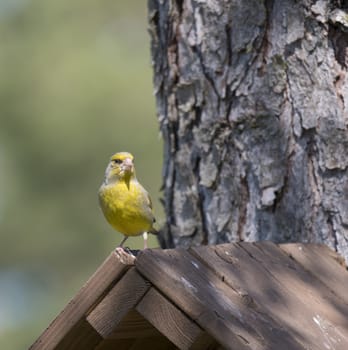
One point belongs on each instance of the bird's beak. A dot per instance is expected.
(128, 165)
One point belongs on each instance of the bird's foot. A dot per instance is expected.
(129, 251)
(122, 251)
(124, 255)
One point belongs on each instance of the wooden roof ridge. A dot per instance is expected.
(234, 296)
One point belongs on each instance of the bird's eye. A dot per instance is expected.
(117, 161)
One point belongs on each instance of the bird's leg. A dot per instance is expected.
(122, 242)
(145, 235)
(120, 250)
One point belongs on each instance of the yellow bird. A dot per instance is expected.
(124, 201)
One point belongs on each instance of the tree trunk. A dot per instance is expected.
(252, 103)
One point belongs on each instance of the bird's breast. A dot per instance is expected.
(123, 207)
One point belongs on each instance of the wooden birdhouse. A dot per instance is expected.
(230, 296)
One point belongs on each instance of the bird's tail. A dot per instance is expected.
(153, 231)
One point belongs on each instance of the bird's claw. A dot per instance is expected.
(122, 251)
(129, 251)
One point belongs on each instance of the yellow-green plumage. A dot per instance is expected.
(125, 203)
(126, 208)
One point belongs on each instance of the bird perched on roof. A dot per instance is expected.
(124, 201)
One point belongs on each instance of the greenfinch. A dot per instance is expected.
(124, 201)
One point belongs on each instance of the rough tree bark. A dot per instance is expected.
(252, 102)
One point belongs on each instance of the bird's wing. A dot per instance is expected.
(149, 205)
(149, 200)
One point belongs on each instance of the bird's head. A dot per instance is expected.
(120, 167)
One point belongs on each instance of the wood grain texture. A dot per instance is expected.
(101, 281)
(157, 343)
(210, 302)
(111, 344)
(81, 336)
(323, 263)
(296, 298)
(169, 320)
(206, 342)
(274, 285)
(118, 302)
(153, 343)
(134, 325)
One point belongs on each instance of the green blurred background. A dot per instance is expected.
(75, 87)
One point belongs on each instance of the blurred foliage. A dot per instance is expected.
(75, 87)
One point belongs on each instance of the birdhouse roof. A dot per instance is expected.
(229, 296)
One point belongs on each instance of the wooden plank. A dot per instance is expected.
(169, 320)
(134, 325)
(322, 262)
(112, 344)
(160, 343)
(153, 343)
(206, 342)
(118, 302)
(101, 281)
(295, 298)
(157, 343)
(80, 337)
(216, 307)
